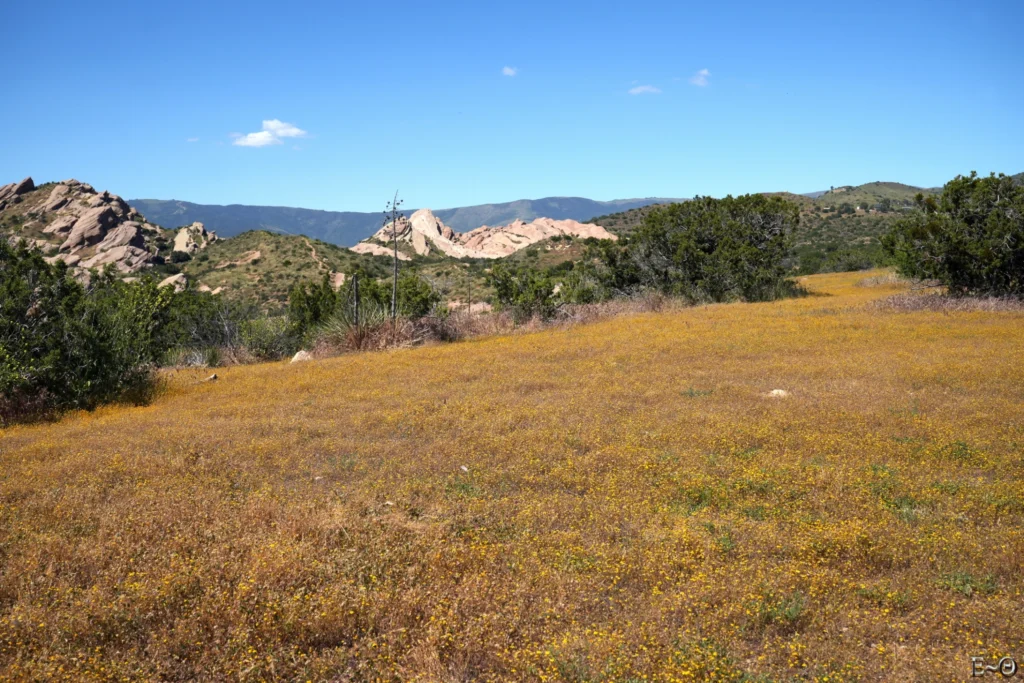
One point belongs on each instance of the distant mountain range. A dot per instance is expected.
(346, 228)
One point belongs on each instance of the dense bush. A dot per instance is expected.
(704, 250)
(971, 239)
(523, 291)
(66, 345)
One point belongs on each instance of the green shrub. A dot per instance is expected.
(971, 239)
(707, 250)
(416, 297)
(269, 338)
(64, 345)
(523, 291)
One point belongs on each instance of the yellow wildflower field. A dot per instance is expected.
(618, 501)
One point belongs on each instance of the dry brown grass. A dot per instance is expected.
(460, 325)
(603, 502)
(906, 302)
(886, 278)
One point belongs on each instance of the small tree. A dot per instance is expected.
(971, 239)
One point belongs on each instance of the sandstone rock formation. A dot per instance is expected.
(90, 229)
(378, 250)
(507, 239)
(426, 233)
(192, 239)
(12, 190)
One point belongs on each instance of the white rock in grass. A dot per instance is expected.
(778, 393)
(302, 356)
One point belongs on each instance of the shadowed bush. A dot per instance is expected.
(66, 345)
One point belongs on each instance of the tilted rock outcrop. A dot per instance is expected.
(426, 233)
(8, 193)
(88, 229)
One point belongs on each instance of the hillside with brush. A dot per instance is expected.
(262, 267)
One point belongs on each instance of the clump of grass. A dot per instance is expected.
(884, 597)
(969, 585)
(784, 610)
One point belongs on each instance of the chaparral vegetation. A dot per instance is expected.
(823, 488)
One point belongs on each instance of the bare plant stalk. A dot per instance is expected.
(355, 296)
(392, 214)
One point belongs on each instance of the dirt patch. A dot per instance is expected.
(247, 257)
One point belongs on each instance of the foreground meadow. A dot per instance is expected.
(610, 502)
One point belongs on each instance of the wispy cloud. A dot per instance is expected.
(192, 140)
(700, 78)
(645, 90)
(273, 132)
(509, 70)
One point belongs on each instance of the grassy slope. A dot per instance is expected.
(284, 260)
(871, 193)
(596, 503)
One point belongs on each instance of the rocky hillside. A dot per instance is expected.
(425, 234)
(72, 222)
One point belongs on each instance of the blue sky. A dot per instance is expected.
(453, 104)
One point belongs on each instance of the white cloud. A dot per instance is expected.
(280, 129)
(509, 70)
(700, 78)
(192, 140)
(645, 90)
(273, 132)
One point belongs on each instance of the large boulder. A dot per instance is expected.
(62, 225)
(126, 259)
(90, 228)
(129, 233)
(60, 195)
(179, 282)
(193, 238)
(12, 190)
(70, 259)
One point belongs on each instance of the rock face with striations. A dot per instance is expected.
(425, 233)
(88, 229)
